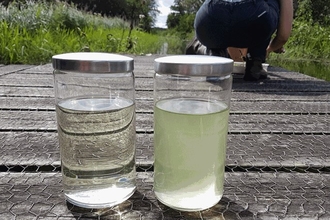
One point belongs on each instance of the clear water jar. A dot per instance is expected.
(95, 111)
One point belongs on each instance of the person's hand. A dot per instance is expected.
(280, 50)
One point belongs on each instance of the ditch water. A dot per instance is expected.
(320, 70)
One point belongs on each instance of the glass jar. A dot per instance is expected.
(191, 109)
(95, 110)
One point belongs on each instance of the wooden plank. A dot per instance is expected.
(46, 69)
(146, 106)
(27, 103)
(263, 107)
(239, 123)
(246, 196)
(272, 85)
(263, 124)
(280, 95)
(10, 91)
(280, 86)
(254, 151)
(147, 72)
(275, 84)
(144, 67)
(8, 69)
(262, 95)
(35, 80)
(280, 107)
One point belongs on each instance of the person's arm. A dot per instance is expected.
(284, 27)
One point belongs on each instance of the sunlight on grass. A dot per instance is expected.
(34, 32)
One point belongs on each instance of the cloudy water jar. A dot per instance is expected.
(191, 109)
(95, 111)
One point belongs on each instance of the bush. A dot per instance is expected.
(309, 39)
(34, 15)
(33, 33)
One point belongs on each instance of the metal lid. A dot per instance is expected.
(194, 65)
(93, 62)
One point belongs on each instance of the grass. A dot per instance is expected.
(307, 51)
(308, 48)
(40, 45)
(34, 32)
(308, 41)
(37, 15)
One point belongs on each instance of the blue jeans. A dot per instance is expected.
(247, 24)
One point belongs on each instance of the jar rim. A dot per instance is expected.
(194, 65)
(93, 62)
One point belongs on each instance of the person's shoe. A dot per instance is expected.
(195, 48)
(254, 70)
(217, 52)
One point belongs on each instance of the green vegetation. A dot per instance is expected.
(31, 33)
(308, 48)
(310, 38)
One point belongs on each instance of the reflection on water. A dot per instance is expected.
(320, 70)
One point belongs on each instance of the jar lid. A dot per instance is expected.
(93, 62)
(194, 65)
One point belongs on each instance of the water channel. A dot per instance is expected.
(320, 70)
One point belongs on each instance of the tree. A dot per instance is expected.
(321, 11)
(131, 10)
(315, 11)
(142, 12)
(183, 15)
(186, 6)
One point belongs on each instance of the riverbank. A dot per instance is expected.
(314, 68)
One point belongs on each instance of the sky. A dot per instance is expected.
(164, 8)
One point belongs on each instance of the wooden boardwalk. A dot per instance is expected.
(278, 154)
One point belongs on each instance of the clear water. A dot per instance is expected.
(97, 144)
(315, 69)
